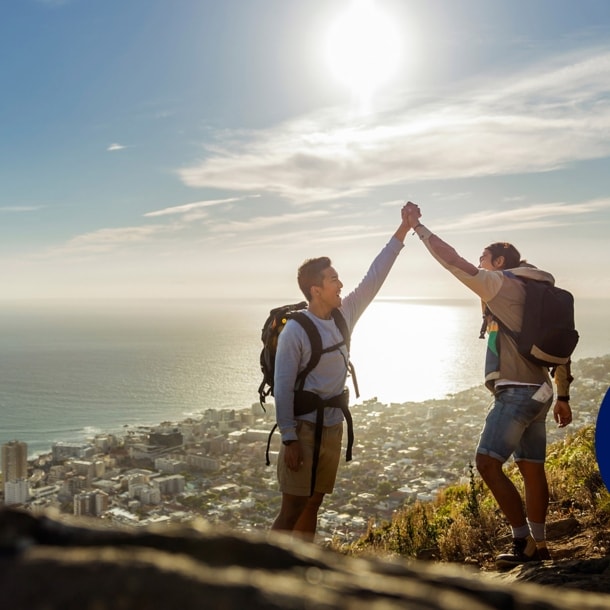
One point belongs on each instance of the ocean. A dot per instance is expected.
(70, 370)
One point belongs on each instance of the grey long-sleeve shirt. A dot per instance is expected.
(328, 378)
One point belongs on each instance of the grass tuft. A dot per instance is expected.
(464, 521)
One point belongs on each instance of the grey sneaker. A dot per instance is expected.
(524, 550)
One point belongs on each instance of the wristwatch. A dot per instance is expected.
(286, 443)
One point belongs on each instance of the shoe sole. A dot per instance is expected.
(503, 564)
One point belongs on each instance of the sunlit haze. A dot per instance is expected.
(363, 50)
(204, 149)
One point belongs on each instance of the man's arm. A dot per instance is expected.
(562, 411)
(486, 284)
(403, 228)
(287, 362)
(357, 301)
(288, 357)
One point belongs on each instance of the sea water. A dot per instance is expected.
(69, 370)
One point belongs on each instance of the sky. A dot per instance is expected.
(205, 148)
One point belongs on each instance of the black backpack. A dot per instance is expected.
(273, 326)
(305, 402)
(548, 336)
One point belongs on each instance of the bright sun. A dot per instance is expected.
(363, 49)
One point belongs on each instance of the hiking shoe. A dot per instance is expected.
(543, 552)
(524, 550)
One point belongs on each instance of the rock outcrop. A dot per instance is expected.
(47, 564)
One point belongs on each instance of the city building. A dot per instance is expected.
(14, 461)
(92, 503)
(15, 472)
(16, 492)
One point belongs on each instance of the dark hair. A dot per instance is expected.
(311, 273)
(512, 257)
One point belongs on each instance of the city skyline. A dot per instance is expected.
(203, 149)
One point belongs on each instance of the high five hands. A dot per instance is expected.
(411, 214)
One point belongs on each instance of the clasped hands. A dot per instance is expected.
(410, 214)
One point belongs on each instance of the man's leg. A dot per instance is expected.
(536, 490)
(502, 488)
(530, 457)
(308, 520)
(330, 455)
(536, 503)
(291, 510)
(514, 426)
(509, 500)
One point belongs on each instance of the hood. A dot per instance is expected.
(532, 273)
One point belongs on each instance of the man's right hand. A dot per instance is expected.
(411, 213)
(293, 457)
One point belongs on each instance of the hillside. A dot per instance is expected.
(463, 525)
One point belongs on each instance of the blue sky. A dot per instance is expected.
(195, 148)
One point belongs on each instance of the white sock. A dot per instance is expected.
(521, 532)
(538, 531)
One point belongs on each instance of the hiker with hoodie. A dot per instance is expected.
(523, 394)
(297, 470)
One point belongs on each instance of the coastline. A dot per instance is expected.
(66, 374)
(582, 371)
(215, 467)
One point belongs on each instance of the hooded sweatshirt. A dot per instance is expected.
(505, 297)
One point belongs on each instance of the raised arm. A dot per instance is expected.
(484, 283)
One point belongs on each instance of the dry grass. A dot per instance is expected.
(464, 523)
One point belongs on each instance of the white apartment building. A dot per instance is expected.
(16, 492)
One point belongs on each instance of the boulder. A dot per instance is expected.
(48, 564)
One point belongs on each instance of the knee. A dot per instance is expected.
(293, 506)
(487, 466)
(532, 471)
(315, 501)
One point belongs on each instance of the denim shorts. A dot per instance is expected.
(515, 425)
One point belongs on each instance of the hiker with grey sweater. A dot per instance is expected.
(307, 469)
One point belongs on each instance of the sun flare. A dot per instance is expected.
(363, 48)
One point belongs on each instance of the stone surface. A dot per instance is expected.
(581, 574)
(51, 565)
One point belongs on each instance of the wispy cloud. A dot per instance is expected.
(263, 223)
(105, 240)
(529, 217)
(115, 146)
(538, 120)
(191, 207)
(260, 230)
(18, 209)
(254, 230)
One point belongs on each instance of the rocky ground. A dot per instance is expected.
(50, 565)
(580, 558)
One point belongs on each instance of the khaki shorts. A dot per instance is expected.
(298, 483)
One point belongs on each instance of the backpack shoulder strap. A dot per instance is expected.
(342, 325)
(316, 345)
(501, 324)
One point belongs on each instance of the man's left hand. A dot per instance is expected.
(562, 413)
(411, 213)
